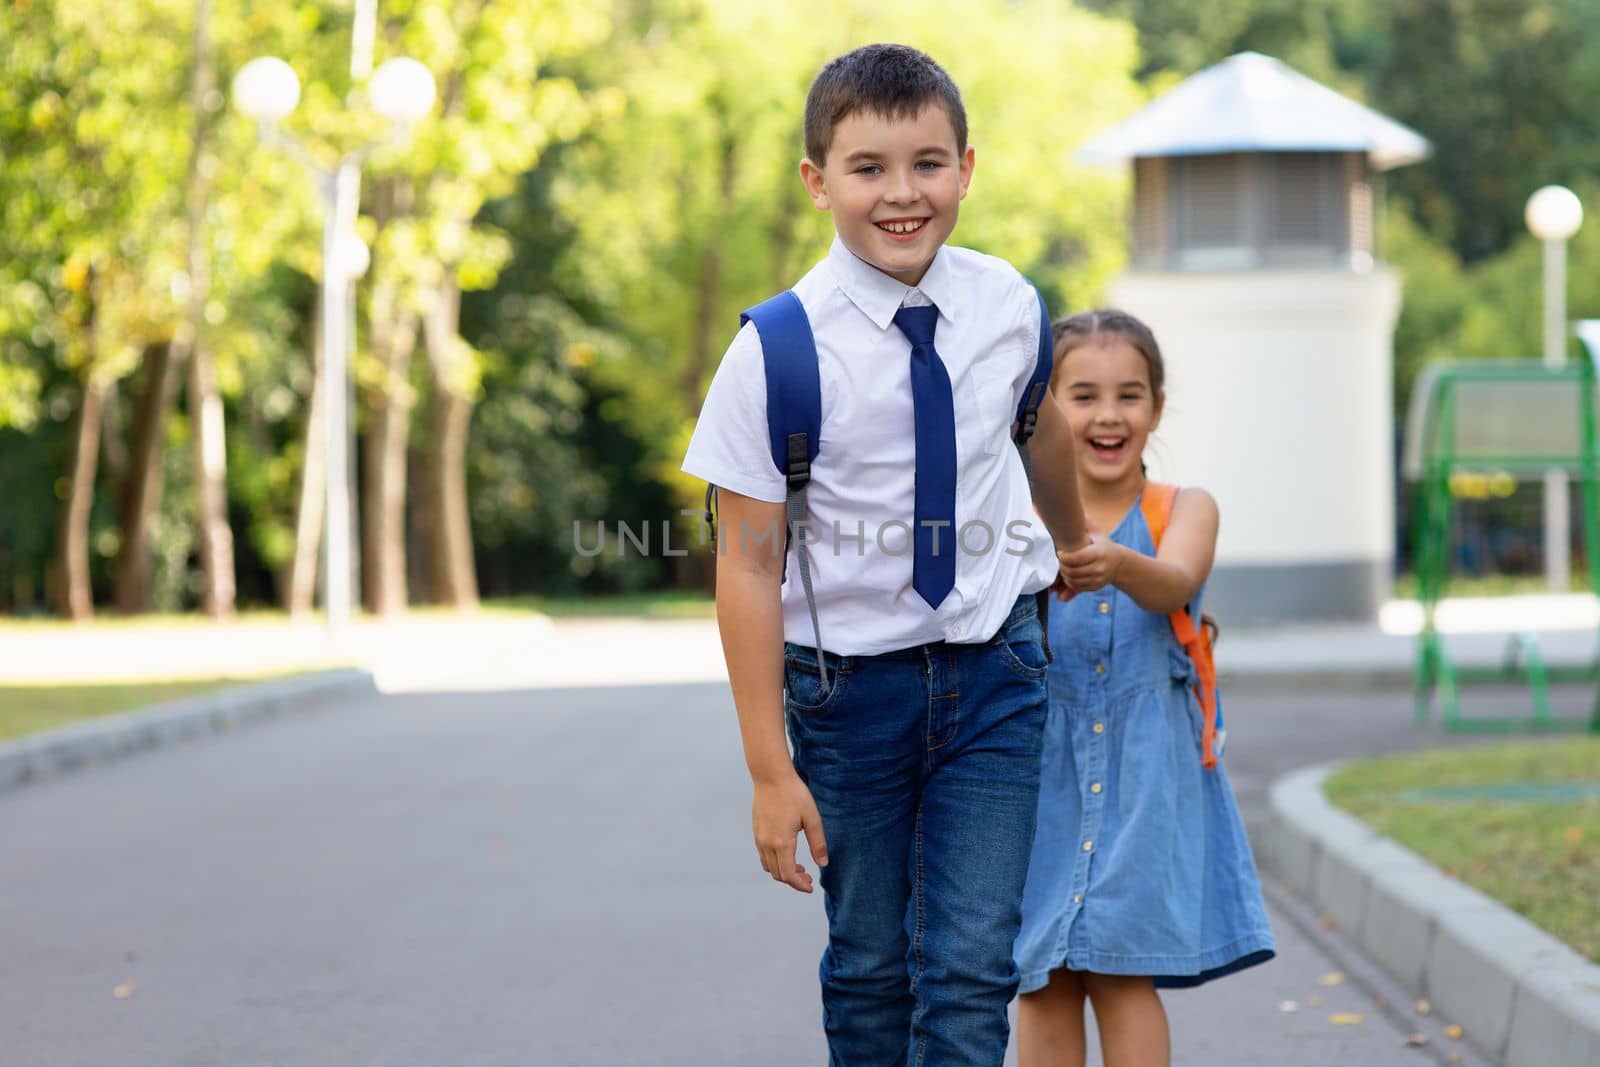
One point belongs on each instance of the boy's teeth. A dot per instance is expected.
(901, 227)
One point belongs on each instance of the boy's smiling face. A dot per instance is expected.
(894, 186)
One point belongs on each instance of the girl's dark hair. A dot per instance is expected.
(1075, 330)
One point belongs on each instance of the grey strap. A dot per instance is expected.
(796, 502)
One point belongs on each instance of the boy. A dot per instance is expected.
(917, 738)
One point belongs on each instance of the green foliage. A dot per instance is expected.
(1179, 39)
(1505, 90)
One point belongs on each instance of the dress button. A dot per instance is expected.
(1088, 846)
(1105, 608)
(1099, 668)
(1077, 898)
(1099, 727)
(1095, 788)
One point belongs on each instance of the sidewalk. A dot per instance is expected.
(496, 651)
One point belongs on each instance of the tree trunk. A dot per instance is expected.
(783, 240)
(394, 337)
(205, 402)
(450, 418)
(709, 291)
(300, 578)
(141, 493)
(71, 590)
(422, 530)
(393, 332)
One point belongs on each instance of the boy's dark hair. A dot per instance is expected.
(892, 80)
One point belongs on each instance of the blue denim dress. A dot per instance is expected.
(1140, 863)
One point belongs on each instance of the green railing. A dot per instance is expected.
(1479, 417)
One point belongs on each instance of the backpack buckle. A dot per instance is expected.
(1030, 413)
(798, 468)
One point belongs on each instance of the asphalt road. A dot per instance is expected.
(556, 877)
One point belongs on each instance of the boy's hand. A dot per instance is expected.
(1094, 566)
(781, 809)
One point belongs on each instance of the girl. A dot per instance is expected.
(1141, 875)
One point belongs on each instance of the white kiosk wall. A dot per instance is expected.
(1280, 402)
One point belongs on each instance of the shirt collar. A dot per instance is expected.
(879, 296)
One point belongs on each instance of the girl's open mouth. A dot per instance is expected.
(1107, 447)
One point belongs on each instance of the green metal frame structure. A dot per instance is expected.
(1433, 457)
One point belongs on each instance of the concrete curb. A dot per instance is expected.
(1524, 998)
(54, 752)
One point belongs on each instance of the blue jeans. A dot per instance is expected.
(924, 764)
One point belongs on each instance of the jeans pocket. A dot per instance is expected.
(803, 689)
(1021, 644)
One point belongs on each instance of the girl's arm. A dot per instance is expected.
(750, 620)
(1165, 583)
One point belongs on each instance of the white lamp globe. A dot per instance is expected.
(401, 90)
(266, 89)
(1554, 213)
(354, 256)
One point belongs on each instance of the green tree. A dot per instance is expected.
(89, 207)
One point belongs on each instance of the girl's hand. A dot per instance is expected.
(1094, 566)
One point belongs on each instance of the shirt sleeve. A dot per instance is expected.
(731, 446)
(1029, 326)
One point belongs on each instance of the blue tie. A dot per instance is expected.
(933, 573)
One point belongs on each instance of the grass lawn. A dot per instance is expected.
(29, 709)
(1540, 857)
(671, 604)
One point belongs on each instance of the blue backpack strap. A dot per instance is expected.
(1028, 419)
(1028, 407)
(794, 421)
(794, 385)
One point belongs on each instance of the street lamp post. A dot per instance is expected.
(402, 91)
(1554, 214)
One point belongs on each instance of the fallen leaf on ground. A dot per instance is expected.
(1423, 1007)
(1289, 1007)
(1347, 1018)
(1453, 1033)
(1454, 1057)
(1380, 1002)
(1415, 1041)
(1327, 922)
(133, 957)
(1332, 978)
(1572, 835)
(1313, 1002)
(123, 991)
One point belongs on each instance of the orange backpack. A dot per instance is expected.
(1156, 504)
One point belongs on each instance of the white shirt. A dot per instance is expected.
(862, 481)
